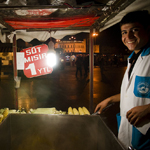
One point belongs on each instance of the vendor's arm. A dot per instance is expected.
(137, 114)
(106, 102)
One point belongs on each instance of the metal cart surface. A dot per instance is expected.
(55, 132)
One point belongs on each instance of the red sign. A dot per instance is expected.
(36, 62)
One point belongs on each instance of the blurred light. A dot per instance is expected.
(62, 60)
(57, 40)
(72, 38)
(95, 32)
(51, 59)
(51, 54)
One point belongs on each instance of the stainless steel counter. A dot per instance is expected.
(56, 132)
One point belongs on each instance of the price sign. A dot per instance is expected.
(36, 61)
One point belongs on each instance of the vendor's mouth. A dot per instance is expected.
(130, 42)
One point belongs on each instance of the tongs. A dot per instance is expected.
(96, 113)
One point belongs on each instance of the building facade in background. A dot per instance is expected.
(72, 46)
(75, 46)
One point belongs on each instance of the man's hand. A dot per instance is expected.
(137, 114)
(102, 105)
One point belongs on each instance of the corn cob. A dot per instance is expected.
(12, 111)
(70, 111)
(75, 111)
(1, 111)
(5, 113)
(81, 112)
(86, 112)
(1, 118)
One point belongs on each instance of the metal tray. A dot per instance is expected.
(55, 132)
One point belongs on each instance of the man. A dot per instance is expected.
(134, 118)
(78, 66)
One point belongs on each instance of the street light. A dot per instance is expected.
(51, 59)
(57, 40)
(73, 39)
(95, 32)
(51, 55)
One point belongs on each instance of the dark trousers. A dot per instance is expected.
(79, 69)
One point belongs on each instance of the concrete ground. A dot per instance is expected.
(62, 89)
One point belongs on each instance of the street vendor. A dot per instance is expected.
(134, 117)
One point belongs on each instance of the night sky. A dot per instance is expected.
(111, 37)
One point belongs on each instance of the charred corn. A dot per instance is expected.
(75, 111)
(81, 112)
(5, 113)
(85, 110)
(70, 111)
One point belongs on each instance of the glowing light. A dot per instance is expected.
(95, 32)
(57, 40)
(51, 59)
(62, 60)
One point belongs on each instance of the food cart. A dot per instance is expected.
(54, 132)
(44, 131)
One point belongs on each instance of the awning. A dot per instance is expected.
(35, 19)
(136, 5)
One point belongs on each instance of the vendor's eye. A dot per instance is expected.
(135, 29)
(123, 32)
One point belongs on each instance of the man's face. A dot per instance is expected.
(134, 36)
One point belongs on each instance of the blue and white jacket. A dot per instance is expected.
(135, 92)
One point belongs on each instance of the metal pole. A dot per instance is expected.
(91, 60)
(15, 69)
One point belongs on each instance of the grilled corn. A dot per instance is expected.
(81, 112)
(85, 110)
(75, 111)
(5, 113)
(70, 111)
(1, 118)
